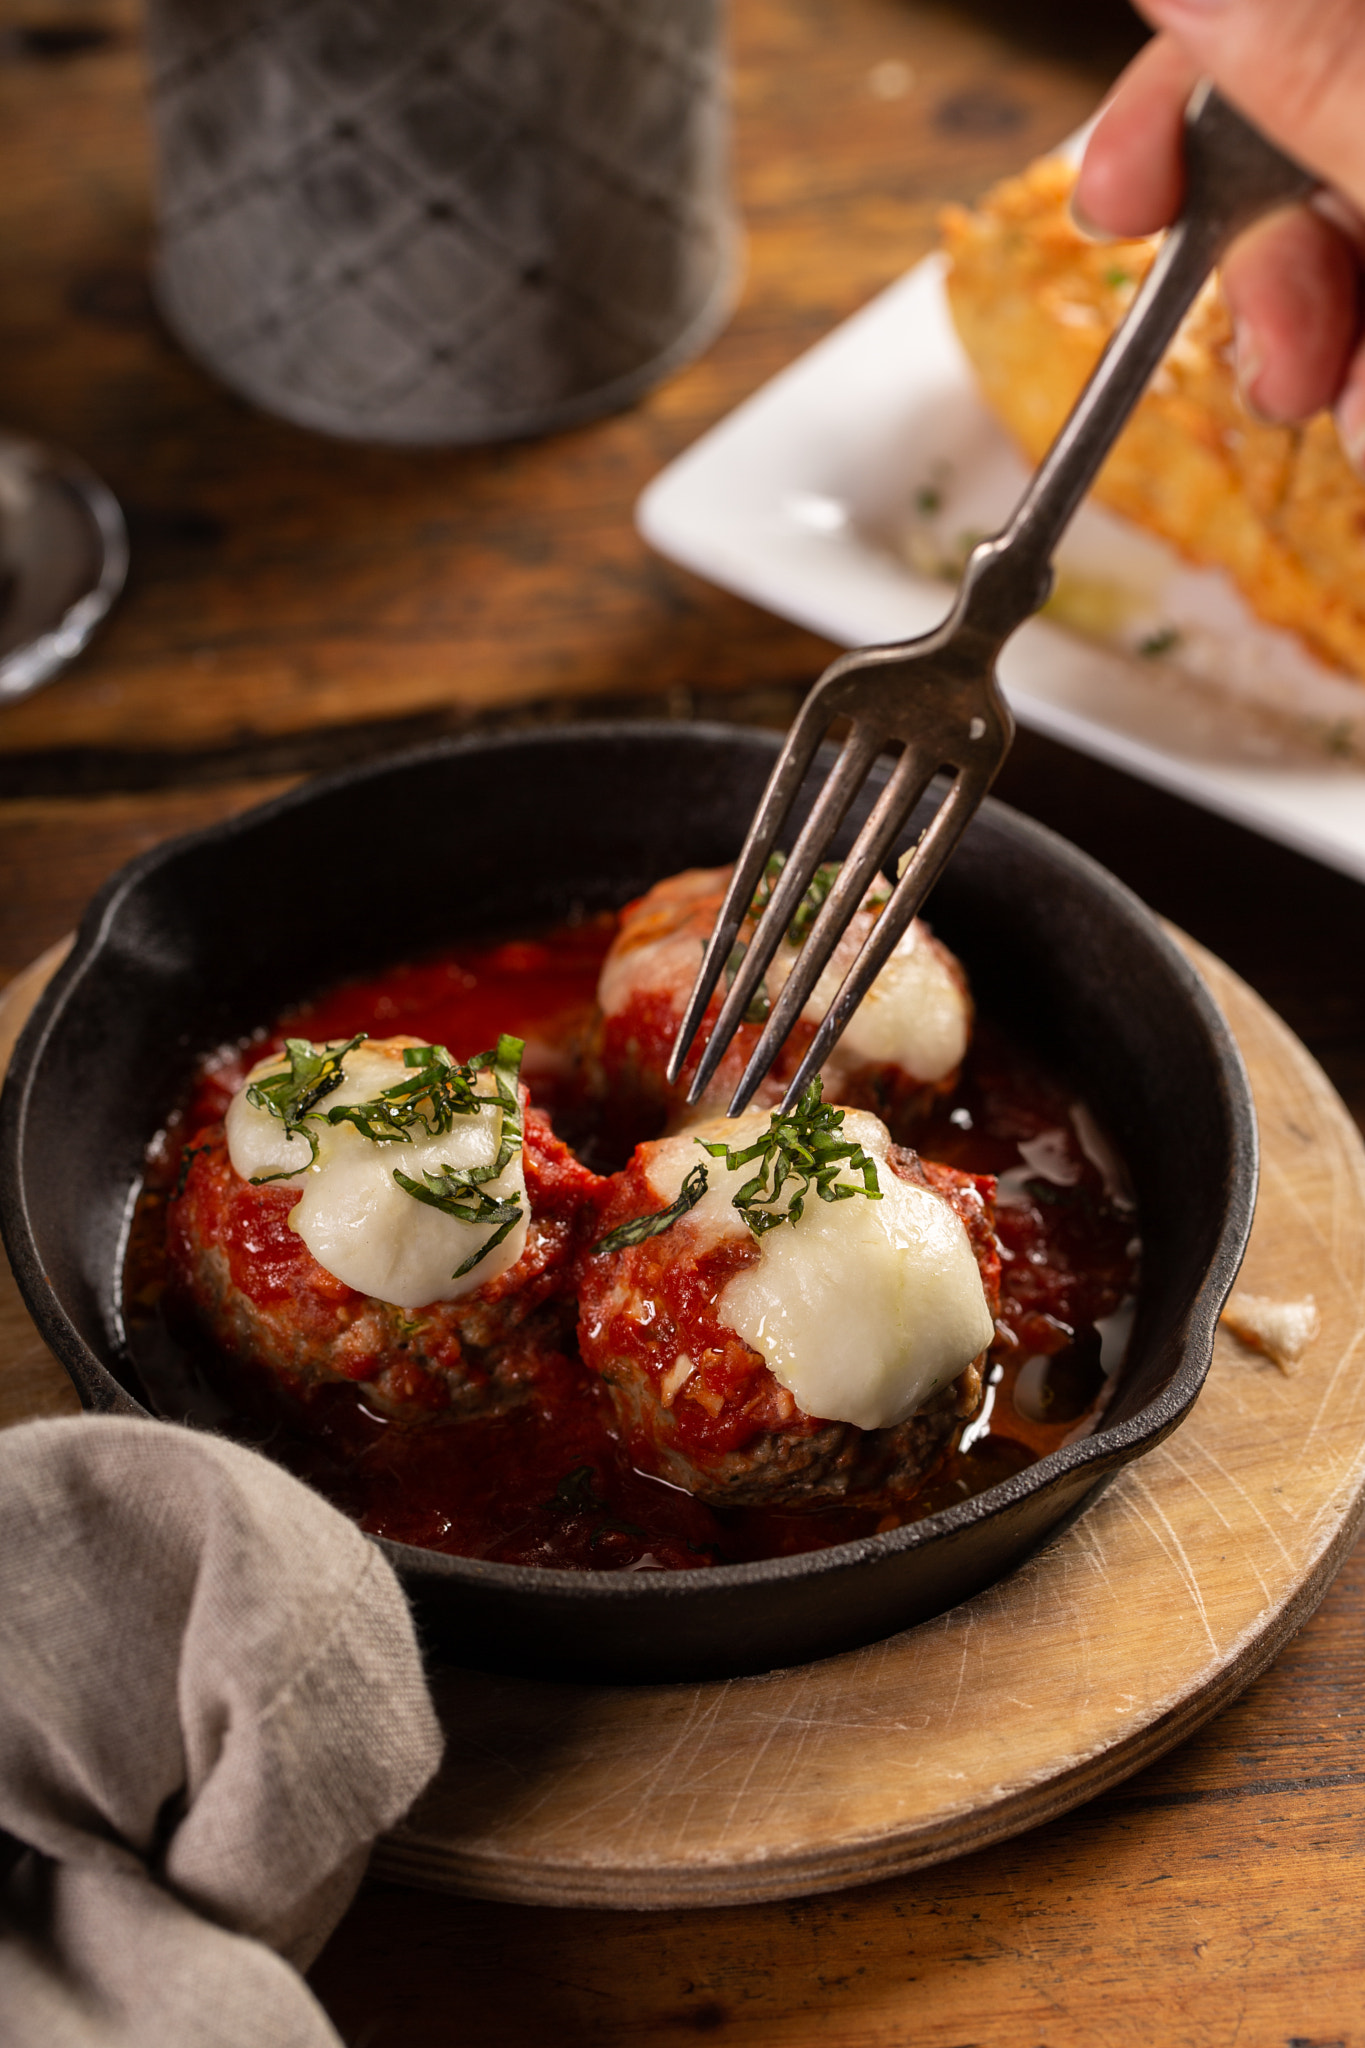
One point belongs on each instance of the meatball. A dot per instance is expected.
(240, 1275)
(903, 1047)
(722, 1382)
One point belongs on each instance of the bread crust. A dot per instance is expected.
(1279, 508)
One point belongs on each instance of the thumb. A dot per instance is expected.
(1294, 67)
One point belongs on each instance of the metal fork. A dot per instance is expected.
(939, 695)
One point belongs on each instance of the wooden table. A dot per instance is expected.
(295, 604)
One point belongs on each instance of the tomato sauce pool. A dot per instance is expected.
(549, 1482)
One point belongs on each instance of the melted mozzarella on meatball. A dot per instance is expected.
(861, 1309)
(916, 1015)
(352, 1215)
(663, 937)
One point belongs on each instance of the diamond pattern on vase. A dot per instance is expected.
(441, 220)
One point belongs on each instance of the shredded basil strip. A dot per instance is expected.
(458, 1191)
(293, 1095)
(767, 882)
(808, 909)
(803, 1145)
(658, 1220)
(811, 904)
(454, 1191)
(758, 1005)
(438, 1089)
(187, 1159)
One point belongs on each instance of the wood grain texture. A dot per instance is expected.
(1155, 1609)
(284, 584)
(32, 1383)
(1209, 1903)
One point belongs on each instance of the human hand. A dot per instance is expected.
(1293, 284)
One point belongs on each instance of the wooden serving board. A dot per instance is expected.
(1165, 1599)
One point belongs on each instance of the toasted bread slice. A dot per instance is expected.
(1279, 508)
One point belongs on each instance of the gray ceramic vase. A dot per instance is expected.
(442, 221)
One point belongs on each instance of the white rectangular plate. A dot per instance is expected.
(873, 453)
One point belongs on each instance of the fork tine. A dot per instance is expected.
(922, 870)
(904, 787)
(840, 787)
(809, 728)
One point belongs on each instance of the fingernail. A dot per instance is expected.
(1350, 418)
(1081, 221)
(1249, 365)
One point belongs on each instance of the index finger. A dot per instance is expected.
(1132, 178)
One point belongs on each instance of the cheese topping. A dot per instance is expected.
(661, 942)
(352, 1215)
(916, 1015)
(861, 1309)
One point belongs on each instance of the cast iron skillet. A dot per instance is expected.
(216, 933)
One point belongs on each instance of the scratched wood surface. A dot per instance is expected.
(293, 594)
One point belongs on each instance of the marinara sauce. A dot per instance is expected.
(549, 1483)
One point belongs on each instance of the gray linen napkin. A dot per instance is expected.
(211, 1702)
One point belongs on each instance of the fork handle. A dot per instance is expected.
(1232, 177)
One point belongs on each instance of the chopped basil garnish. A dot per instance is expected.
(759, 1006)
(187, 1159)
(767, 882)
(458, 1191)
(803, 1145)
(658, 1220)
(437, 1090)
(313, 1071)
(807, 910)
(455, 1191)
(811, 904)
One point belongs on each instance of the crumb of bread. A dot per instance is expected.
(1278, 508)
(1283, 1330)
